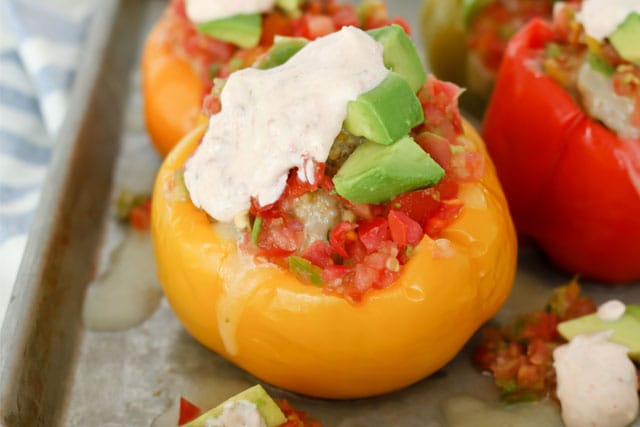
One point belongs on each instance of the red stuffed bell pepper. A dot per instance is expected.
(572, 183)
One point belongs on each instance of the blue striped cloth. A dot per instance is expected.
(40, 43)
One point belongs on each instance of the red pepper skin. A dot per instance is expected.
(572, 185)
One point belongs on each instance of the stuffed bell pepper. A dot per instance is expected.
(563, 128)
(465, 40)
(336, 229)
(197, 40)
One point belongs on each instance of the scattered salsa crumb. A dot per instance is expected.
(519, 355)
(134, 209)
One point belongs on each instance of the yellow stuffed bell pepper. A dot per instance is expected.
(298, 337)
(328, 292)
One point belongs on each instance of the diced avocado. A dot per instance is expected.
(257, 395)
(283, 48)
(626, 329)
(626, 38)
(242, 30)
(376, 173)
(386, 113)
(290, 7)
(400, 54)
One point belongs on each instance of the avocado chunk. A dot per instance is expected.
(243, 30)
(290, 7)
(257, 395)
(400, 55)
(376, 173)
(385, 113)
(626, 329)
(626, 38)
(283, 48)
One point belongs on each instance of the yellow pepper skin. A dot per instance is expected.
(297, 337)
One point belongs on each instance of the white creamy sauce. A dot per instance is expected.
(278, 119)
(128, 292)
(602, 103)
(600, 18)
(596, 382)
(239, 413)
(208, 10)
(611, 310)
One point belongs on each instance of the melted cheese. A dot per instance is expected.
(238, 287)
(278, 119)
(127, 293)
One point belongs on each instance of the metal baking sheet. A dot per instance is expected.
(56, 371)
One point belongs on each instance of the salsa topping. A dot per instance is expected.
(134, 209)
(593, 71)
(350, 247)
(519, 355)
(211, 57)
(493, 22)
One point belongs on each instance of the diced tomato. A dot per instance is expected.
(343, 15)
(404, 230)
(314, 26)
(372, 233)
(188, 411)
(333, 273)
(140, 216)
(419, 205)
(315, 7)
(530, 376)
(448, 187)
(279, 237)
(441, 112)
(567, 303)
(273, 24)
(340, 235)
(294, 417)
(211, 105)
(540, 325)
(436, 146)
(364, 277)
(539, 352)
(319, 253)
(297, 187)
(404, 24)
(447, 212)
